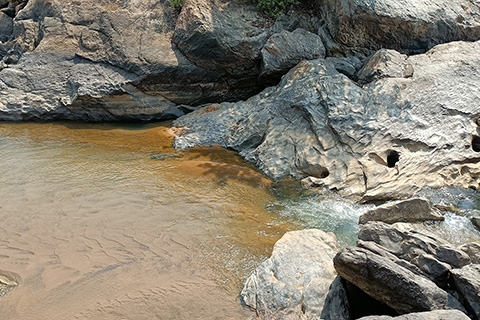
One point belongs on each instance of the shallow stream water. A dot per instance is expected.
(96, 226)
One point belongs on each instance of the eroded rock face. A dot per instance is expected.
(411, 210)
(408, 26)
(385, 139)
(295, 280)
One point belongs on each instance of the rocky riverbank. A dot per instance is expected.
(372, 102)
(395, 270)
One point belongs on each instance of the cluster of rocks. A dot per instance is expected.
(394, 272)
(352, 112)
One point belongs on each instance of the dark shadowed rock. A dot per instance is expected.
(408, 26)
(336, 305)
(429, 315)
(296, 279)
(476, 222)
(411, 210)
(6, 27)
(285, 49)
(467, 282)
(390, 283)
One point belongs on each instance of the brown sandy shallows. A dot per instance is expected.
(95, 229)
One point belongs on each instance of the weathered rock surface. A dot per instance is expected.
(110, 60)
(390, 283)
(386, 139)
(411, 210)
(429, 315)
(285, 49)
(473, 251)
(467, 281)
(296, 279)
(409, 25)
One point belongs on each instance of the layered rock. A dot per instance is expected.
(407, 270)
(411, 210)
(390, 283)
(411, 127)
(296, 279)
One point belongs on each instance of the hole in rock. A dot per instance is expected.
(392, 158)
(476, 143)
(362, 305)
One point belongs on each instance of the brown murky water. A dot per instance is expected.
(92, 228)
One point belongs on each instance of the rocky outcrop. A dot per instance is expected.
(409, 26)
(336, 306)
(430, 315)
(390, 283)
(467, 282)
(413, 126)
(407, 270)
(105, 60)
(295, 280)
(411, 210)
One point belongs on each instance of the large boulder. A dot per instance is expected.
(391, 284)
(388, 138)
(410, 26)
(428, 315)
(411, 210)
(296, 279)
(467, 282)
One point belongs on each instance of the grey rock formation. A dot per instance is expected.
(473, 251)
(467, 282)
(434, 257)
(390, 283)
(285, 49)
(296, 279)
(386, 139)
(385, 64)
(409, 26)
(476, 222)
(429, 315)
(410, 210)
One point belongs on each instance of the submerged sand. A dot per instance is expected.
(92, 228)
